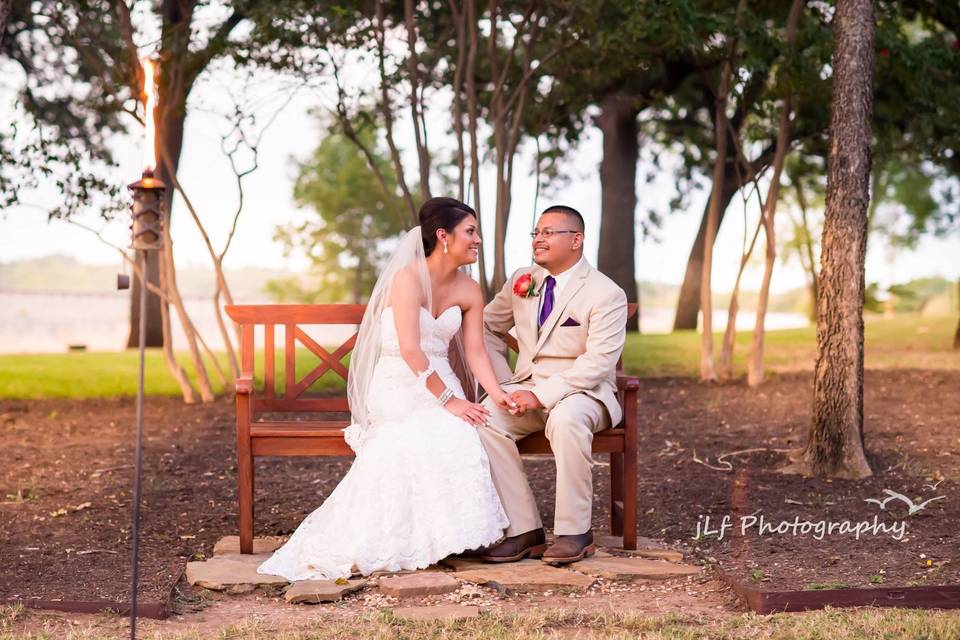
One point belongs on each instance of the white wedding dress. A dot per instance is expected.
(420, 488)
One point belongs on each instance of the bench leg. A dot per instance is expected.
(245, 496)
(630, 499)
(616, 494)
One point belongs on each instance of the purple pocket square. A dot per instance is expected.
(570, 322)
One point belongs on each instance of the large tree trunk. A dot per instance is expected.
(4, 13)
(618, 177)
(835, 446)
(688, 304)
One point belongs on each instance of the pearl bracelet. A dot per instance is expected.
(445, 396)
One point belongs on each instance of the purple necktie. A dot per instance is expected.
(547, 300)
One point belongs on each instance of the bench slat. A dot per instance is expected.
(609, 441)
(295, 313)
(335, 404)
(269, 361)
(308, 446)
(291, 429)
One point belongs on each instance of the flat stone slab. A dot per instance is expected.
(659, 554)
(441, 612)
(317, 591)
(469, 564)
(231, 572)
(414, 585)
(518, 577)
(633, 568)
(616, 542)
(406, 572)
(231, 545)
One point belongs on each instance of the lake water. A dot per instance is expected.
(48, 322)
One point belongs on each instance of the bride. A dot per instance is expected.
(420, 488)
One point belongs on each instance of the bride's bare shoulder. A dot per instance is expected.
(406, 284)
(468, 289)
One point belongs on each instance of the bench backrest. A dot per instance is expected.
(291, 317)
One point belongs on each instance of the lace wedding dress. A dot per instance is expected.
(420, 488)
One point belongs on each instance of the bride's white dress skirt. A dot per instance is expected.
(420, 488)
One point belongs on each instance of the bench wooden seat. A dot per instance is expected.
(312, 426)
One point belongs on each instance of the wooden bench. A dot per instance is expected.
(261, 434)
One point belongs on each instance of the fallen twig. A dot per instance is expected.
(728, 466)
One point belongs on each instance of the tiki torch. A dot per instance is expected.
(147, 235)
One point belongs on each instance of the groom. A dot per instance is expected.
(570, 323)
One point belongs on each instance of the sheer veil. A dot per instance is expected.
(366, 352)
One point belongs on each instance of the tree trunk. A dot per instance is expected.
(154, 324)
(814, 287)
(618, 200)
(688, 304)
(5, 6)
(755, 359)
(172, 99)
(835, 446)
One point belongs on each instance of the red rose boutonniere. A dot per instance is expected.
(525, 287)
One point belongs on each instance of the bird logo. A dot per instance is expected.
(912, 507)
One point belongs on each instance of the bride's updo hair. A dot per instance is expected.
(441, 213)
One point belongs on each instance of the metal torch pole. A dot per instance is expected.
(135, 560)
(147, 228)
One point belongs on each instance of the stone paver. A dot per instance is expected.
(231, 545)
(418, 584)
(633, 568)
(440, 612)
(406, 572)
(317, 591)
(616, 543)
(468, 564)
(521, 577)
(232, 572)
(659, 554)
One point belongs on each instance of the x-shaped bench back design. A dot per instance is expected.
(291, 318)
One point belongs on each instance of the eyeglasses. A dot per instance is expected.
(549, 233)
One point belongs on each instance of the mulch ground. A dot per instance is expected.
(66, 486)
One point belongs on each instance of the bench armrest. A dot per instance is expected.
(627, 383)
(244, 386)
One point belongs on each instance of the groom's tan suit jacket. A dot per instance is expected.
(576, 350)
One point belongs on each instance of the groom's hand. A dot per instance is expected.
(525, 401)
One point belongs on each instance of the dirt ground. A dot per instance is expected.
(66, 486)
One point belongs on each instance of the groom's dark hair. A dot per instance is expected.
(570, 212)
(440, 213)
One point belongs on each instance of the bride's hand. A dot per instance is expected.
(475, 414)
(502, 399)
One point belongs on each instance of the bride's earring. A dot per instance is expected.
(445, 247)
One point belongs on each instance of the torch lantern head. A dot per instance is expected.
(148, 213)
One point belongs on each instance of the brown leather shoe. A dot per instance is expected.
(567, 549)
(526, 545)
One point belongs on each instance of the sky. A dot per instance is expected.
(207, 179)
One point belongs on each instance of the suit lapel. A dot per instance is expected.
(572, 287)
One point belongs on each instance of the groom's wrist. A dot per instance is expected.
(548, 394)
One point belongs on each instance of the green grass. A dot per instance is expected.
(900, 342)
(836, 624)
(906, 341)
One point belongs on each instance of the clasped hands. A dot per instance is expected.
(516, 403)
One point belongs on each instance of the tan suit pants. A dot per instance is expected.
(569, 427)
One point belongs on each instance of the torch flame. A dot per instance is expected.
(150, 91)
